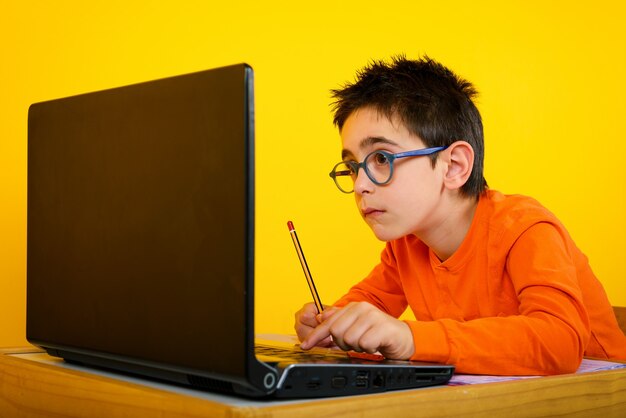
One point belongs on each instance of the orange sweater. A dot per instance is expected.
(516, 298)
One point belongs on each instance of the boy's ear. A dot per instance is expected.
(459, 160)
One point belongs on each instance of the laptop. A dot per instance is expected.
(140, 252)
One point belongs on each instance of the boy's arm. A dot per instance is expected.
(548, 336)
(380, 288)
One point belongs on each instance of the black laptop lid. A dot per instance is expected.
(140, 223)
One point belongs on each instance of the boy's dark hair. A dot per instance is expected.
(430, 100)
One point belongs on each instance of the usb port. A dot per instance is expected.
(362, 379)
(338, 382)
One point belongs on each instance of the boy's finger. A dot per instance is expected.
(327, 342)
(315, 337)
(308, 319)
(327, 314)
(303, 331)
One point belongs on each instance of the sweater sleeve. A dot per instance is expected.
(382, 287)
(549, 334)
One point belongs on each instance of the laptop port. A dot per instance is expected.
(362, 379)
(338, 382)
(378, 381)
(313, 384)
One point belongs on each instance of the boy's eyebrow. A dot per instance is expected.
(368, 142)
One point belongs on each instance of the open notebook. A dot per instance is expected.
(141, 242)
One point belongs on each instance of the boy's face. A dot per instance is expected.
(411, 202)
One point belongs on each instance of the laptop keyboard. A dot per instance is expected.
(296, 354)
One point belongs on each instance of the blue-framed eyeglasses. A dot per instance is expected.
(378, 166)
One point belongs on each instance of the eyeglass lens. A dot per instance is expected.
(377, 166)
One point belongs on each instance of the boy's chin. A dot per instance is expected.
(385, 234)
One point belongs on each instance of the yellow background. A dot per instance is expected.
(551, 77)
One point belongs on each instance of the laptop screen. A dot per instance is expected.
(140, 223)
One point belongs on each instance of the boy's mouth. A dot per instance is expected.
(371, 212)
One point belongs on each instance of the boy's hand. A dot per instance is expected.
(307, 319)
(361, 327)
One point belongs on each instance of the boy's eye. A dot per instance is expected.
(347, 168)
(379, 158)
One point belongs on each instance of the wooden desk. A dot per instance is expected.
(30, 388)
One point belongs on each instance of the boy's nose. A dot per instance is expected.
(362, 183)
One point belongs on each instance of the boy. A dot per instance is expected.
(496, 284)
